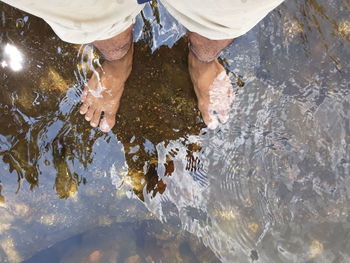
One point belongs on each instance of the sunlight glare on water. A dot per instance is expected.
(13, 58)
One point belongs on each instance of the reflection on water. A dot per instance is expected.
(146, 241)
(13, 58)
(272, 185)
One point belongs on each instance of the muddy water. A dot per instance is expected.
(272, 185)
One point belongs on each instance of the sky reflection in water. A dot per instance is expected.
(14, 58)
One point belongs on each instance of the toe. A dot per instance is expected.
(90, 113)
(84, 94)
(223, 116)
(96, 119)
(107, 122)
(206, 118)
(84, 108)
(209, 118)
(213, 124)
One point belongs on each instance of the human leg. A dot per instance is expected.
(212, 27)
(108, 25)
(104, 90)
(211, 84)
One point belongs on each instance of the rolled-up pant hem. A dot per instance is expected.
(216, 20)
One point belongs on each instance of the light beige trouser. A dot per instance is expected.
(84, 21)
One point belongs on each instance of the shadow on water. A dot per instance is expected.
(272, 185)
(146, 241)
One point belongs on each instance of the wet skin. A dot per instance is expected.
(103, 91)
(211, 84)
(101, 96)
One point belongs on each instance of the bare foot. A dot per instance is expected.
(213, 89)
(104, 90)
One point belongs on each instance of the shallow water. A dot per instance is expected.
(272, 185)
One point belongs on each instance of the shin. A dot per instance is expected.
(206, 50)
(116, 47)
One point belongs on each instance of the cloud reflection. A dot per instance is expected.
(13, 58)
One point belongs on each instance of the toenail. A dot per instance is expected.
(93, 124)
(87, 118)
(104, 126)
